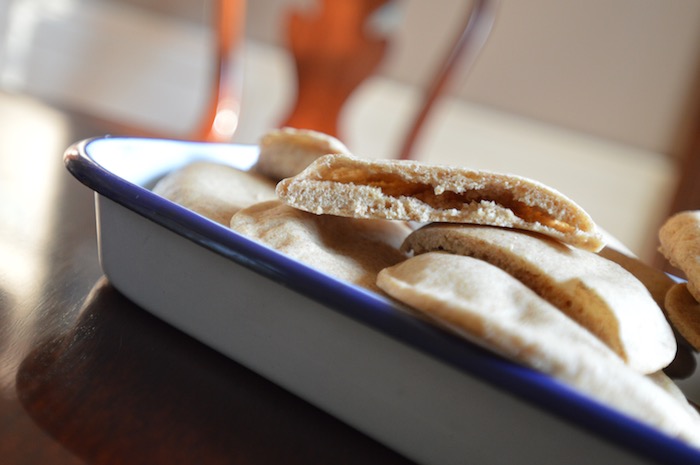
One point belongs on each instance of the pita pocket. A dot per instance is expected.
(411, 191)
(656, 281)
(286, 152)
(595, 292)
(214, 190)
(684, 312)
(680, 244)
(350, 249)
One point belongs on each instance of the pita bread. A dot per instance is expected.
(491, 307)
(412, 191)
(597, 293)
(656, 281)
(350, 249)
(680, 244)
(214, 190)
(286, 152)
(659, 284)
(684, 312)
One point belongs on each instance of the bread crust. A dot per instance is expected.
(353, 250)
(287, 151)
(412, 191)
(597, 293)
(679, 239)
(214, 190)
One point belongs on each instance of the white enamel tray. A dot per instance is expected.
(429, 395)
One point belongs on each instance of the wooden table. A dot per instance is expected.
(86, 376)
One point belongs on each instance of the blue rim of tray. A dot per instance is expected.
(117, 167)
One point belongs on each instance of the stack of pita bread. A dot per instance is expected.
(502, 260)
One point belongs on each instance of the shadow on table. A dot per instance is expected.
(121, 386)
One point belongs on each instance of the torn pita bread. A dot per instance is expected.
(597, 293)
(680, 244)
(214, 190)
(286, 152)
(411, 191)
(490, 307)
(354, 250)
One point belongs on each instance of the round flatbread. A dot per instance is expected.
(684, 312)
(658, 284)
(286, 152)
(680, 244)
(214, 190)
(597, 293)
(412, 191)
(655, 280)
(350, 249)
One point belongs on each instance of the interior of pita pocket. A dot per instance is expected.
(396, 186)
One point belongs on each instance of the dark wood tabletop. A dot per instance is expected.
(86, 376)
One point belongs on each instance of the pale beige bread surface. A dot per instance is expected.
(680, 244)
(487, 305)
(214, 190)
(354, 250)
(658, 283)
(597, 293)
(286, 152)
(684, 312)
(412, 191)
(655, 280)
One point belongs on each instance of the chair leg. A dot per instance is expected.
(220, 118)
(461, 55)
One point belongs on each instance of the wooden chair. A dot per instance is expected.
(219, 120)
(334, 53)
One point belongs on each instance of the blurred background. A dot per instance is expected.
(598, 99)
